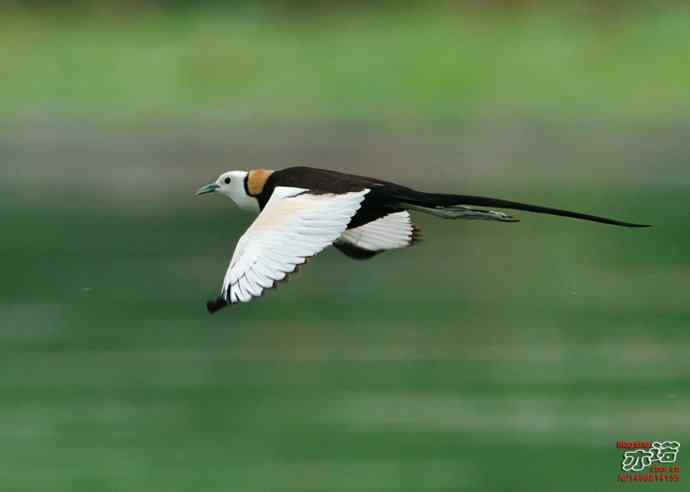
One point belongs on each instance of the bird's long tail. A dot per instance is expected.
(459, 207)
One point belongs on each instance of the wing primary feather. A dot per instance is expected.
(294, 225)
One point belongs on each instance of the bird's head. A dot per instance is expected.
(242, 187)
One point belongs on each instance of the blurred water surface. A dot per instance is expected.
(488, 357)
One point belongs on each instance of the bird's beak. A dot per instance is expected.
(209, 188)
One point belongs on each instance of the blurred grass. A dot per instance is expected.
(489, 357)
(431, 65)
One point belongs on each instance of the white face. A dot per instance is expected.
(231, 184)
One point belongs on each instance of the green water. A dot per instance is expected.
(488, 357)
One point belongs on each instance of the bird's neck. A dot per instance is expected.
(248, 203)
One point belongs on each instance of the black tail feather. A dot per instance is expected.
(444, 200)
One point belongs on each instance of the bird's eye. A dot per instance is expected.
(227, 181)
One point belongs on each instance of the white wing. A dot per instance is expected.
(294, 225)
(391, 231)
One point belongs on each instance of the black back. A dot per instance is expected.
(379, 201)
(386, 197)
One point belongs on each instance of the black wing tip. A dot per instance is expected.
(216, 305)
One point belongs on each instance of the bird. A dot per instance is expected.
(303, 210)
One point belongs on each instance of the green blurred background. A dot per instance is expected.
(489, 357)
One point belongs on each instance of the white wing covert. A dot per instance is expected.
(391, 231)
(294, 225)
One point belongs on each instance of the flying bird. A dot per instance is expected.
(303, 210)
